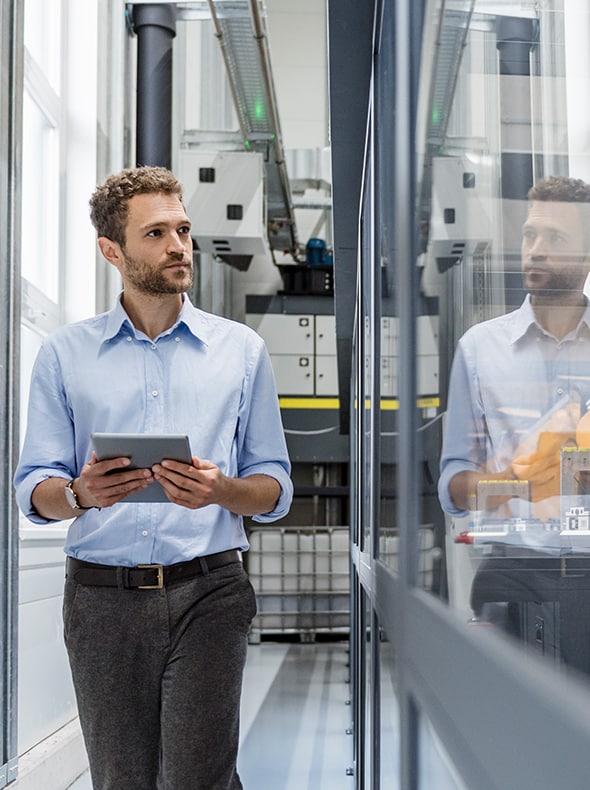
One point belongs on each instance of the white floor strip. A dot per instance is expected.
(262, 665)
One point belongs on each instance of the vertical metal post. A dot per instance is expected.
(350, 26)
(11, 64)
(155, 25)
(407, 36)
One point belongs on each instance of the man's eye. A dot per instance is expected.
(185, 229)
(529, 235)
(558, 238)
(154, 233)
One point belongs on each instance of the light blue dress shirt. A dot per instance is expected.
(207, 377)
(508, 375)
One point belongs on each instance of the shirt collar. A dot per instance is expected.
(525, 321)
(195, 320)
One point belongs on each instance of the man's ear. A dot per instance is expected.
(111, 251)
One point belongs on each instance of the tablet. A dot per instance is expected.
(144, 450)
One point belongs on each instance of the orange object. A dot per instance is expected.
(583, 431)
(541, 467)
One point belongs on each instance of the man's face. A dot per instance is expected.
(554, 260)
(157, 255)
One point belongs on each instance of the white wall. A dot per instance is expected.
(298, 48)
(45, 694)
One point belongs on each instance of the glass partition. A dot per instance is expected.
(504, 189)
(470, 439)
(389, 730)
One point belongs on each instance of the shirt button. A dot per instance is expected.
(145, 533)
(153, 345)
(129, 339)
(177, 339)
(560, 390)
(155, 393)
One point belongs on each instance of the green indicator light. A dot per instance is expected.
(259, 110)
(247, 145)
(435, 116)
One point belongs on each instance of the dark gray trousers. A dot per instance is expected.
(158, 679)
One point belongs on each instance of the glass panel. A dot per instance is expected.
(368, 687)
(368, 402)
(43, 37)
(435, 768)
(390, 724)
(505, 259)
(40, 174)
(30, 344)
(388, 363)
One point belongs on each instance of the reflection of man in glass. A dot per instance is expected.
(518, 392)
(517, 380)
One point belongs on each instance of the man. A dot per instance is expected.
(516, 383)
(519, 385)
(157, 653)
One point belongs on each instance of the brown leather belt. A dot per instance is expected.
(146, 577)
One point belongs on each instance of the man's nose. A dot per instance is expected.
(538, 248)
(176, 244)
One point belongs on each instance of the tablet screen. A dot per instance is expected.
(144, 450)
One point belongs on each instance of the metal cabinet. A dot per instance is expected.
(302, 349)
(427, 362)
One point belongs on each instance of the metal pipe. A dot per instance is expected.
(515, 36)
(227, 60)
(155, 25)
(260, 38)
(514, 41)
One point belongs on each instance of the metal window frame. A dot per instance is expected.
(11, 65)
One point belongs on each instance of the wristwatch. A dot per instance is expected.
(72, 497)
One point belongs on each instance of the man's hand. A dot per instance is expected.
(541, 467)
(203, 483)
(100, 485)
(94, 488)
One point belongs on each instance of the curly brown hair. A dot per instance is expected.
(564, 189)
(560, 189)
(109, 204)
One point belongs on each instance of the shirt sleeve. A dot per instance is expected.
(464, 427)
(48, 448)
(262, 448)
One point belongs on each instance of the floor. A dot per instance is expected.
(295, 715)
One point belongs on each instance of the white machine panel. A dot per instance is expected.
(461, 221)
(427, 375)
(284, 334)
(389, 335)
(427, 329)
(224, 198)
(326, 375)
(294, 374)
(325, 335)
(389, 377)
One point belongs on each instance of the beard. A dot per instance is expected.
(158, 281)
(554, 285)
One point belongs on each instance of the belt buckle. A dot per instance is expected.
(159, 585)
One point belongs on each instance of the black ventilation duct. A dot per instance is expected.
(155, 26)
